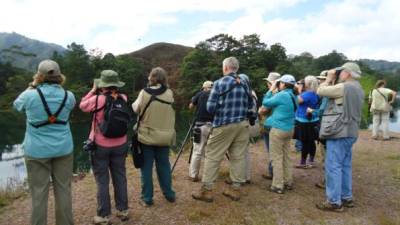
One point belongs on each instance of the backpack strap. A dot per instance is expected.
(51, 118)
(382, 95)
(294, 102)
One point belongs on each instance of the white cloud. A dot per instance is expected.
(360, 29)
(74, 20)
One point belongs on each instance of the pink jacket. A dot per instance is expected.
(88, 104)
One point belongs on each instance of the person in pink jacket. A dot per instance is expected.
(109, 155)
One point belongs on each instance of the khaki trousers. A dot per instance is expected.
(39, 173)
(199, 151)
(232, 139)
(280, 147)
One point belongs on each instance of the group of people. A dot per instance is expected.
(323, 109)
(326, 108)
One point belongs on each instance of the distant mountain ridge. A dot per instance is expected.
(382, 66)
(24, 52)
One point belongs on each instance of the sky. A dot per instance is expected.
(357, 28)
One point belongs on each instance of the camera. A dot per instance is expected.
(337, 74)
(89, 146)
(197, 135)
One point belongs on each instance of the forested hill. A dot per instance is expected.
(382, 65)
(24, 52)
(188, 67)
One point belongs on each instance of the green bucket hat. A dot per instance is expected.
(108, 78)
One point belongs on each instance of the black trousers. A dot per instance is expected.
(308, 148)
(106, 161)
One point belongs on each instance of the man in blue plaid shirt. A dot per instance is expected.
(230, 101)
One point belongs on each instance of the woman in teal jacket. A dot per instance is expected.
(281, 99)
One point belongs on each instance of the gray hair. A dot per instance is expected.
(311, 83)
(231, 63)
(355, 75)
(158, 76)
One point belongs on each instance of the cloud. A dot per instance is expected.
(124, 22)
(360, 29)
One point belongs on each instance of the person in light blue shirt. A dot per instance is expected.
(48, 142)
(283, 105)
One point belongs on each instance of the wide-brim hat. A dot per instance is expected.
(108, 78)
(273, 76)
(323, 75)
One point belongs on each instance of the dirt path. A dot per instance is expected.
(376, 182)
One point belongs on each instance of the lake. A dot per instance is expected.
(12, 130)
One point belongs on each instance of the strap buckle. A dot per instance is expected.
(52, 119)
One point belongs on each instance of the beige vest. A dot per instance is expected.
(157, 127)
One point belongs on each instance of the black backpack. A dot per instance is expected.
(117, 116)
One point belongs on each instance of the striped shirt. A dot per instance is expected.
(233, 106)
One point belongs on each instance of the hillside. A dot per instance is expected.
(382, 66)
(168, 56)
(376, 185)
(24, 52)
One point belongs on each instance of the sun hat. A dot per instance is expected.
(351, 67)
(323, 75)
(288, 79)
(49, 67)
(207, 84)
(273, 76)
(108, 78)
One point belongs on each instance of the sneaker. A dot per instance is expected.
(203, 195)
(98, 220)
(310, 166)
(232, 193)
(327, 206)
(267, 176)
(301, 166)
(277, 190)
(348, 203)
(123, 215)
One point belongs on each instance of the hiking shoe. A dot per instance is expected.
(320, 185)
(170, 199)
(123, 215)
(194, 179)
(203, 195)
(267, 176)
(289, 187)
(327, 206)
(348, 203)
(232, 193)
(145, 204)
(310, 165)
(98, 220)
(277, 190)
(228, 181)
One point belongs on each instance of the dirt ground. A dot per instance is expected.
(376, 188)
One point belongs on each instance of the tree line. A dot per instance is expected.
(256, 58)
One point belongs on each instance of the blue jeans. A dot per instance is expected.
(266, 142)
(338, 169)
(161, 157)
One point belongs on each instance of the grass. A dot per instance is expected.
(13, 190)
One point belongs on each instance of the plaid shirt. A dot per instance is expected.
(234, 105)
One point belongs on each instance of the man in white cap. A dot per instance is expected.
(202, 129)
(339, 126)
